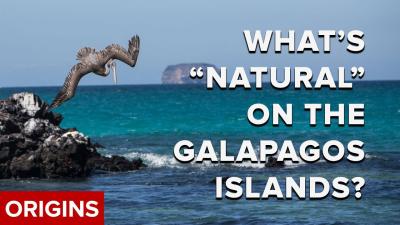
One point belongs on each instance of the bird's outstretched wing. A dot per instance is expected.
(129, 57)
(70, 84)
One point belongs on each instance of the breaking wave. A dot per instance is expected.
(154, 160)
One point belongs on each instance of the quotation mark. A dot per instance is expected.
(357, 72)
(196, 72)
(341, 35)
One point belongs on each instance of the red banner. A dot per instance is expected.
(51, 207)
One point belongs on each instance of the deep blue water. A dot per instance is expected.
(148, 120)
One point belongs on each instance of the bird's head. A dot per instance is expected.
(111, 65)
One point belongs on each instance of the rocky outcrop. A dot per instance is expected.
(274, 163)
(180, 73)
(32, 145)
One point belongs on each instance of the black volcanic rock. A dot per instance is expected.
(32, 145)
(114, 163)
(274, 163)
(180, 73)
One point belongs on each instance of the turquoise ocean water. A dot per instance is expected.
(147, 120)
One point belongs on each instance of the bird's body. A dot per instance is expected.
(98, 62)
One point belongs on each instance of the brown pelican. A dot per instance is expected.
(98, 62)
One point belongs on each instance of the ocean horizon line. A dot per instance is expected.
(161, 84)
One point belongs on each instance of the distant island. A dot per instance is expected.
(179, 74)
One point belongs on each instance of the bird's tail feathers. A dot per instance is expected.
(84, 52)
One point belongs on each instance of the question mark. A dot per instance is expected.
(358, 182)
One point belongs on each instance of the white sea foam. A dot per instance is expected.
(154, 160)
(369, 156)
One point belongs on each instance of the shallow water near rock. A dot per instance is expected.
(147, 121)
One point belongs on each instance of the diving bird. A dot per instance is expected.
(97, 62)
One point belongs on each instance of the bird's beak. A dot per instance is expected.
(114, 69)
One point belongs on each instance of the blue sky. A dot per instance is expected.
(39, 39)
